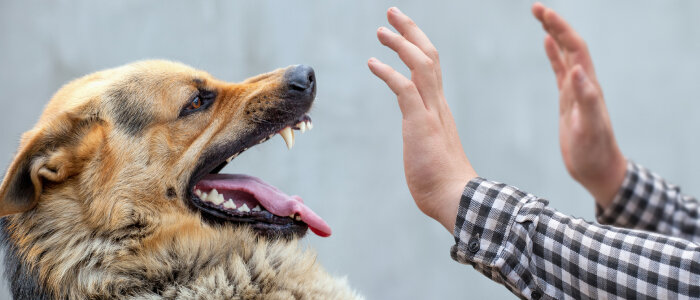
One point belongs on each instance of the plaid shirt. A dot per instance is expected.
(652, 249)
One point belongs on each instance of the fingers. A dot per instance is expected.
(561, 31)
(554, 55)
(409, 53)
(409, 99)
(538, 11)
(573, 47)
(411, 32)
(422, 67)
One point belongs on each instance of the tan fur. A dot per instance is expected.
(100, 223)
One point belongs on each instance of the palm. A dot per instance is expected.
(434, 160)
(435, 164)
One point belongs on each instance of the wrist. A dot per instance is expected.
(446, 214)
(605, 190)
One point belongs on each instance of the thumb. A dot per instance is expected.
(585, 90)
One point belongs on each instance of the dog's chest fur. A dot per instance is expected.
(267, 271)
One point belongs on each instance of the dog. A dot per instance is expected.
(116, 192)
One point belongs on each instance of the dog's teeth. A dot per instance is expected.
(302, 126)
(198, 193)
(229, 204)
(288, 136)
(215, 197)
(256, 208)
(244, 208)
(291, 216)
(213, 194)
(204, 197)
(309, 125)
(298, 218)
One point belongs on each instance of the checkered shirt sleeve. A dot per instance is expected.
(647, 202)
(515, 239)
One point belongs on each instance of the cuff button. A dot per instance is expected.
(473, 245)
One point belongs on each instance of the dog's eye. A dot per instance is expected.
(196, 103)
(200, 102)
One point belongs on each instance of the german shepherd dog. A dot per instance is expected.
(115, 193)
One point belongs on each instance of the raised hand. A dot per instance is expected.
(436, 167)
(588, 145)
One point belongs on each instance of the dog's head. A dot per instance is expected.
(146, 142)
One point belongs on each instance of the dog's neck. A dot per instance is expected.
(23, 279)
(63, 256)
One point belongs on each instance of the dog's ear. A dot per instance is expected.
(22, 185)
(46, 155)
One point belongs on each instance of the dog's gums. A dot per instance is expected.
(249, 200)
(246, 200)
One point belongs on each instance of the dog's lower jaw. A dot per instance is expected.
(221, 264)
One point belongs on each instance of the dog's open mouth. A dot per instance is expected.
(249, 200)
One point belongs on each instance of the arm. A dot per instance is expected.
(435, 165)
(513, 238)
(586, 138)
(590, 151)
(647, 202)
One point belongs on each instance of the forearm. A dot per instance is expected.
(515, 239)
(646, 201)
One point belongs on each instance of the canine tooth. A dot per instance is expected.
(256, 208)
(244, 208)
(298, 218)
(288, 136)
(302, 126)
(198, 193)
(229, 204)
(215, 197)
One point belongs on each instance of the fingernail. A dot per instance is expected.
(395, 9)
(372, 60)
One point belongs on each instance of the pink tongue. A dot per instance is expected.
(275, 201)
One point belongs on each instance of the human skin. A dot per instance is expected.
(586, 137)
(435, 164)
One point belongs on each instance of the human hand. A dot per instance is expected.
(435, 165)
(586, 138)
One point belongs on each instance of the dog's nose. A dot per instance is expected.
(301, 79)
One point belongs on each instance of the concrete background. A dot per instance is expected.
(349, 168)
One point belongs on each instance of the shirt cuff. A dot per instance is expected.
(640, 201)
(487, 210)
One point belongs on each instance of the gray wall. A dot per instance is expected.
(349, 168)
